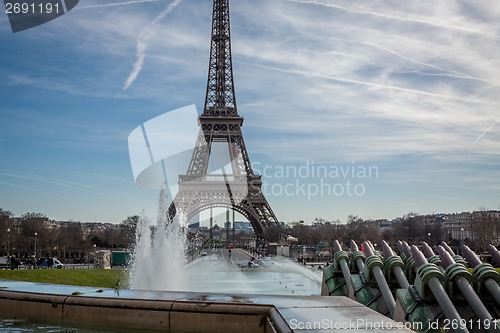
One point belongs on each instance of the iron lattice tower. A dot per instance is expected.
(220, 122)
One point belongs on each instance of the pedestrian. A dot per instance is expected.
(14, 264)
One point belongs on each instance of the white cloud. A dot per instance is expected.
(405, 64)
(322, 80)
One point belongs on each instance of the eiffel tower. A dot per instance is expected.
(220, 123)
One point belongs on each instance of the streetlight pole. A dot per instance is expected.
(8, 240)
(36, 234)
(429, 234)
(301, 238)
(461, 239)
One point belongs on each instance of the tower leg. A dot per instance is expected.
(211, 223)
(233, 226)
(228, 225)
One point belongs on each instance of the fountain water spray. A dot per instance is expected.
(159, 257)
(160, 263)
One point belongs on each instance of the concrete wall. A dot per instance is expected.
(179, 316)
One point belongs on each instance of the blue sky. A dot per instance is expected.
(409, 89)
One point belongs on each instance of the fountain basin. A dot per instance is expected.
(182, 311)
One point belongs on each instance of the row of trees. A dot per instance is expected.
(74, 240)
(483, 228)
(35, 233)
(410, 228)
(480, 230)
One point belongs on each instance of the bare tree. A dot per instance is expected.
(483, 229)
(5, 222)
(360, 230)
(129, 227)
(70, 238)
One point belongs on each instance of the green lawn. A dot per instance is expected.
(102, 278)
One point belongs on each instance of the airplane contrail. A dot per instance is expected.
(115, 4)
(487, 130)
(143, 41)
(49, 180)
(399, 18)
(23, 187)
(365, 83)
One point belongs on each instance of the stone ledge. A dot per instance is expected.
(186, 311)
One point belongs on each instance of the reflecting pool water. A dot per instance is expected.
(275, 276)
(15, 325)
(212, 273)
(12, 325)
